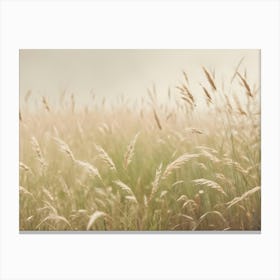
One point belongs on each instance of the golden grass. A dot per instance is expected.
(192, 163)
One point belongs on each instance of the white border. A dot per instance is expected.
(155, 24)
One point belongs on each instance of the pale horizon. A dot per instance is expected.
(129, 73)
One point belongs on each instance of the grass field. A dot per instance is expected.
(191, 163)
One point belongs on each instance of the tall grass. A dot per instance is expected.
(194, 165)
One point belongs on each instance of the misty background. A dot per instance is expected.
(112, 73)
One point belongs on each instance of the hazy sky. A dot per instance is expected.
(130, 72)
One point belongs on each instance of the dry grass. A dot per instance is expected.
(192, 163)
